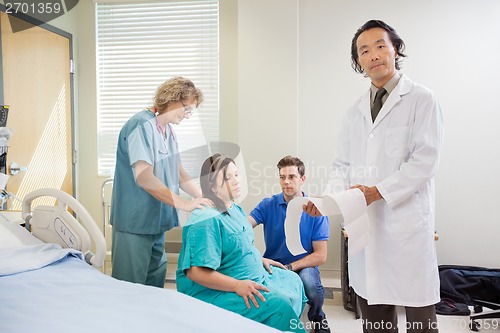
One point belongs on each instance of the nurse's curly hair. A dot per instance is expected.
(208, 177)
(397, 42)
(174, 90)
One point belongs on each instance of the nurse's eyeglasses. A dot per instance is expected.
(188, 110)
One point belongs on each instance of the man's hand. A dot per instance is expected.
(371, 193)
(311, 209)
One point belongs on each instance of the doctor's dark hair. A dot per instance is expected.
(174, 90)
(397, 42)
(208, 177)
(292, 161)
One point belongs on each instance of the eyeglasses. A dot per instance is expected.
(188, 110)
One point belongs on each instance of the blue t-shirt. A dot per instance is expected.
(271, 213)
(132, 208)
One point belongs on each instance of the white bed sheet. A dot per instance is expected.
(70, 296)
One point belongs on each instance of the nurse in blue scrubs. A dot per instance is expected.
(219, 263)
(148, 175)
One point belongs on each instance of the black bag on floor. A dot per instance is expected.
(464, 284)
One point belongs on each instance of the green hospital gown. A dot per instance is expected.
(225, 243)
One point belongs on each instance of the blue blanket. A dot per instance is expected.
(18, 259)
(47, 289)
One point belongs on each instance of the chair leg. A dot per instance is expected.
(474, 324)
(490, 305)
(486, 315)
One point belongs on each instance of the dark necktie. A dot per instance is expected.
(377, 103)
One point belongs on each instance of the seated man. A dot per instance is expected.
(314, 234)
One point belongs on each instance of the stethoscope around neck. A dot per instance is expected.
(163, 133)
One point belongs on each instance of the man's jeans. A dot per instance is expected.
(314, 291)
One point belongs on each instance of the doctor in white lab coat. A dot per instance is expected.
(392, 157)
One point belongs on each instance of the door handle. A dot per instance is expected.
(14, 168)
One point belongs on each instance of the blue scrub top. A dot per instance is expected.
(132, 208)
(271, 213)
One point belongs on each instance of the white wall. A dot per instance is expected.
(295, 82)
(286, 82)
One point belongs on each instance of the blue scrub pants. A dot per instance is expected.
(139, 258)
(314, 291)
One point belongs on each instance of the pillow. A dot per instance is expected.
(13, 235)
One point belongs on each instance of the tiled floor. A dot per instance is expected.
(343, 321)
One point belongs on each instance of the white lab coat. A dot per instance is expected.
(399, 153)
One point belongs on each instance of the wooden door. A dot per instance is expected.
(37, 87)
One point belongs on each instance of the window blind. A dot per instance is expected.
(142, 44)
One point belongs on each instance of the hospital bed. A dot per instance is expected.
(49, 287)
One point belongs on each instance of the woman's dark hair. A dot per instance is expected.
(397, 42)
(209, 171)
